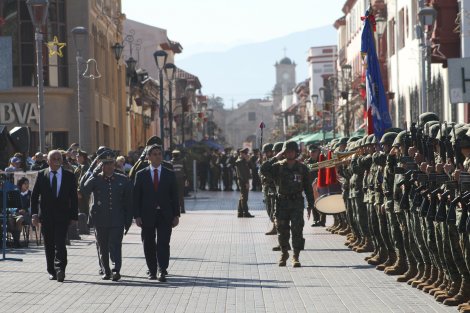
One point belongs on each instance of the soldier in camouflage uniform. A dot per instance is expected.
(291, 178)
(181, 174)
(243, 176)
(319, 218)
(269, 188)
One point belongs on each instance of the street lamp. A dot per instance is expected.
(117, 49)
(79, 37)
(427, 18)
(321, 91)
(38, 11)
(380, 23)
(346, 70)
(160, 57)
(170, 72)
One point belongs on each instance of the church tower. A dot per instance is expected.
(285, 81)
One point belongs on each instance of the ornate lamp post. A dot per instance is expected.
(160, 57)
(170, 72)
(38, 11)
(80, 34)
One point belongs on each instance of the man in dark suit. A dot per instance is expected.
(156, 210)
(54, 203)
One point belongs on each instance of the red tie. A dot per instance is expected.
(155, 179)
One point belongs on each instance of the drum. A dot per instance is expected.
(330, 200)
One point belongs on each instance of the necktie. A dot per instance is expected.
(54, 183)
(155, 179)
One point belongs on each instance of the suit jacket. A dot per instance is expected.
(146, 199)
(62, 209)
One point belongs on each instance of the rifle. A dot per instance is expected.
(429, 147)
(448, 145)
(413, 131)
(459, 158)
(442, 146)
(405, 144)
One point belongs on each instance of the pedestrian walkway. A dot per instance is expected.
(219, 263)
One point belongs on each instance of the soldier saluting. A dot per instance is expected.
(111, 212)
(291, 178)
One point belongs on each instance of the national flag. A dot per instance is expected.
(378, 116)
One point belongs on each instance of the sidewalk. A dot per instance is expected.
(219, 263)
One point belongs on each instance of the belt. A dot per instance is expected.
(292, 196)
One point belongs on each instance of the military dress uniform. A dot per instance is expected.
(291, 180)
(111, 212)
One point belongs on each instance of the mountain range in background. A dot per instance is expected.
(247, 71)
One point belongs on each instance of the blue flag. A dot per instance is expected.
(378, 116)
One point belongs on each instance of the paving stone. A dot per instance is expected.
(219, 263)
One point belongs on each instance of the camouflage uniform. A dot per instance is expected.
(243, 176)
(291, 181)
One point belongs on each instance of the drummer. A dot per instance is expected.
(314, 153)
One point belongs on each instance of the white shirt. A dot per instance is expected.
(58, 175)
(159, 168)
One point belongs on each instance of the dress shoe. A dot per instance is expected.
(52, 277)
(247, 214)
(106, 277)
(60, 276)
(100, 272)
(116, 276)
(165, 272)
(152, 276)
(315, 224)
(161, 277)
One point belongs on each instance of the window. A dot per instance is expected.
(391, 37)
(18, 25)
(401, 29)
(251, 116)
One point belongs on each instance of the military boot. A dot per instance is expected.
(462, 296)
(391, 259)
(410, 273)
(418, 275)
(432, 278)
(379, 258)
(273, 231)
(436, 282)
(295, 259)
(441, 287)
(278, 248)
(398, 268)
(424, 277)
(345, 231)
(453, 290)
(284, 257)
(359, 243)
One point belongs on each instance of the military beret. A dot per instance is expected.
(267, 147)
(278, 146)
(388, 138)
(427, 117)
(107, 156)
(154, 140)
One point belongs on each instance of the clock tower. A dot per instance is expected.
(285, 80)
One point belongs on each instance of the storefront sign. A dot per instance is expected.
(19, 113)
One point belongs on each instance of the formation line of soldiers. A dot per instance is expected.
(407, 198)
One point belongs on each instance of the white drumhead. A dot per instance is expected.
(330, 204)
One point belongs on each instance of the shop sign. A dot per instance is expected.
(19, 113)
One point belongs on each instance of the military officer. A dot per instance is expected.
(291, 178)
(111, 212)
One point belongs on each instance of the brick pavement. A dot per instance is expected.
(219, 263)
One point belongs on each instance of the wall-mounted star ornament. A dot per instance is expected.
(55, 47)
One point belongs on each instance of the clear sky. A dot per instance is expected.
(210, 25)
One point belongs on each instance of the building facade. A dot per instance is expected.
(101, 99)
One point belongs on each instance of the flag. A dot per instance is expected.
(378, 117)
